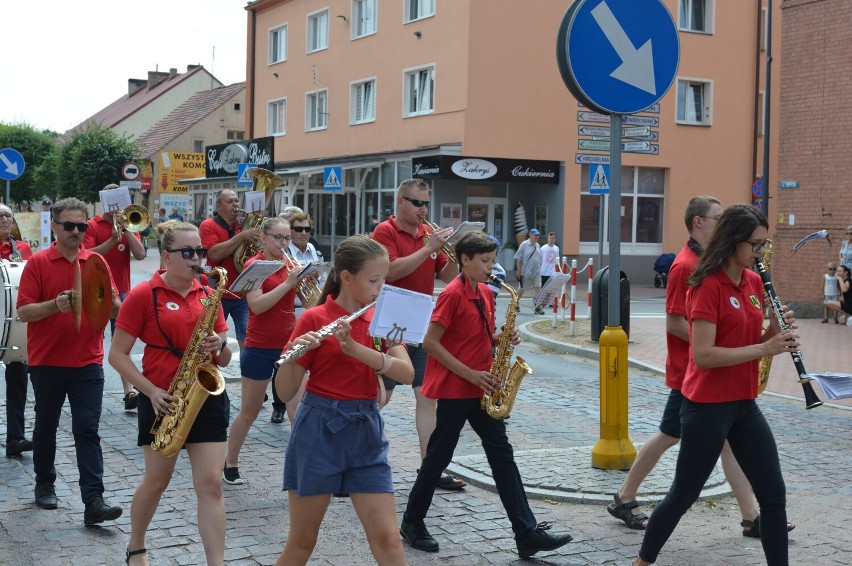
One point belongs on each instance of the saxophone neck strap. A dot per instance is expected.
(170, 347)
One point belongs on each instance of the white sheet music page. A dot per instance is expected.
(463, 229)
(551, 289)
(834, 385)
(254, 275)
(401, 314)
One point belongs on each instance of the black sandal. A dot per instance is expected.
(752, 528)
(129, 553)
(624, 511)
(450, 482)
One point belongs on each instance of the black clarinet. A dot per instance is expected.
(811, 399)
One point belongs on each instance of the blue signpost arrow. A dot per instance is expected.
(12, 166)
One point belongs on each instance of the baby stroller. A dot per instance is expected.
(661, 267)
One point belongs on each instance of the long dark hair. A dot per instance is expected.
(351, 255)
(736, 225)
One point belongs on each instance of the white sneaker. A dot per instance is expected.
(849, 321)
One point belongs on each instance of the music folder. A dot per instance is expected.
(254, 275)
(551, 289)
(401, 315)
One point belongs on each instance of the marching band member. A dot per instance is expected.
(65, 363)
(338, 442)
(16, 372)
(163, 314)
(271, 320)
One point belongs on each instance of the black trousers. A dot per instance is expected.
(704, 428)
(16, 400)
(451, 416)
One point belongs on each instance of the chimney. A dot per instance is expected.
(135, 84)
(155, 78)
(172, 72)
(191, 67)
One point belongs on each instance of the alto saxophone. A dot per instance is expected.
(196, 378)
(499, 404)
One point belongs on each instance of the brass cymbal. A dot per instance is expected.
(76, 292)
(96, 292)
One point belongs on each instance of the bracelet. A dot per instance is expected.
(381, 369)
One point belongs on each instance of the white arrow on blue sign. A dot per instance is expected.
(618, 56)
(12, 164)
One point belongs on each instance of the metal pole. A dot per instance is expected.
(333, 221)
(614, 218)
(764, 206)
(7, 192)
(601, 233)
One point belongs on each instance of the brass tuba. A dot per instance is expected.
(266, 181)
(134, 218)
(499, 404)
(196, 378)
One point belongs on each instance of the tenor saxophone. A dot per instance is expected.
(196, 378)
(499, 404)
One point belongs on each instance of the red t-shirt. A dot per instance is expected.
(175, 315)
(211, 234)
(737, 312)
(53, 340)
(23, 249)
(400, 243)
(676, 287)
(118, 258)
(272, 328)
(467, 336)
(335, 375)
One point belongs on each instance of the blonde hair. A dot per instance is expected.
(167, 231)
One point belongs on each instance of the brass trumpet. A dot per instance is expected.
(447, 248)
(134, 218)
(307, 289)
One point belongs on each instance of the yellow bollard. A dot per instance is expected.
(613, 450)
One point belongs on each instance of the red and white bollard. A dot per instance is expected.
(573, 296)
(591, 274)
(562, 294)
(555, 301)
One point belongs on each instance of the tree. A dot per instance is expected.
(92, 159)
(37, 148)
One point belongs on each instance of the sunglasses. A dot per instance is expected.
(69, 226)
(189, 253)
(301, 229)
(417, 203)
(280, 237)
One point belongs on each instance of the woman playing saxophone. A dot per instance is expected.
(163, 313)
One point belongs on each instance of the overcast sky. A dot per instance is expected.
(64, 61)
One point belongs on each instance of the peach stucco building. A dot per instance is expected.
(467, 94)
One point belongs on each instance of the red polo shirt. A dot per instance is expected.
(400, 243)
(53, 340)
(118, 258)
(676, 287)
(272, 328)
(23, 249)
(335, 375)
(467, 336)
(737, 312)
(175, 315)
(211, 234)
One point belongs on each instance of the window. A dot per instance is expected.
(419, 92)
(277, 116)
(278, 45)
(363, 18)
(198, 146)
(316, 110)
(417, 9)
(236, 135)
(363, 102)
(318, 31)
(237, 106)
(693, 102)
(696, 15)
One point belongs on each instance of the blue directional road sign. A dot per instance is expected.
(331, 178)
(11, 164)
(618, 56)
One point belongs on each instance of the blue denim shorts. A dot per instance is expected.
(258, 363)
(238, 310)
(337, 446)
(670, 423)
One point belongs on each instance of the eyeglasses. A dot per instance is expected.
(5, 216)
(417, 203)
(849, 233)
(69, 226)
(189, 253)
(710, 217)
(301, 229)
(757, 247)
(280, 237)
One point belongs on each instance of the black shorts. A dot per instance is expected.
(418, 359)
(846, 307)
(670, 423)
(211, 424)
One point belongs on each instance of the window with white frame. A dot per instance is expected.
(276, 111)
(363, 102)
(278, 44)
(419, 91)
(418, 9)
(693, 102)
(318, 31)
(363, 18)
(316, 110)
(696, 15)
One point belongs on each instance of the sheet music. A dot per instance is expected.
(317, 269)
(834, 385)
(463, 229)
(254, 275)
(400, 311)
(255, 200)
(115, 199)
(551, 289)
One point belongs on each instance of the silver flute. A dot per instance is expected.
(299, 350)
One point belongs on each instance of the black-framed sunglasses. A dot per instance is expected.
(280, 237)
(189, 253)
(301, 229)
(69, 226)
(417, 203)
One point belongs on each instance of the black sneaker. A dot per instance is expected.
(98, 511)
(131, 400)
(538, 310)
(45, 496)
(232, 476)
(18, 446)
(277, 416)
(416, 536)
(539, 539)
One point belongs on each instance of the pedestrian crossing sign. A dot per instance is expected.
(599, 179)
(242, 173)
(331, 178)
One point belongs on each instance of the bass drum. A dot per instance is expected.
(13, 340)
